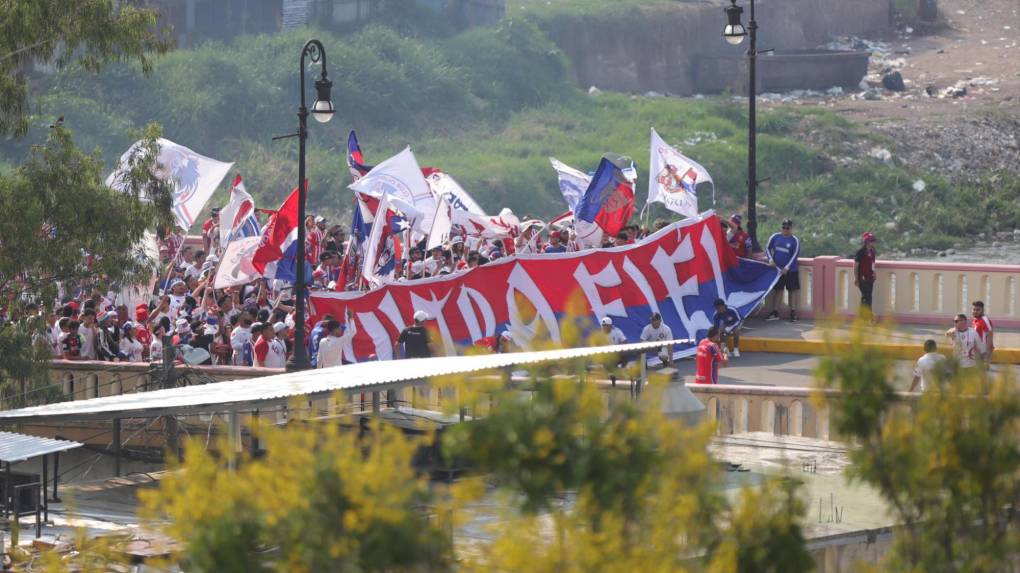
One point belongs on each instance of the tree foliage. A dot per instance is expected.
(59, 32)
(947, 465)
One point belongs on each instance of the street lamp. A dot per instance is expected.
(734, 32)
(322, 111)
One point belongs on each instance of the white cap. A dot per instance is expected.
(279, 326)
(421, 316)
(606, 321)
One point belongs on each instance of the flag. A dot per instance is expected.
(442, 223)
(277, 251)
(442, 183)
(350, 264)
(355, 161)
(383, 246)
(506, 225)
(237, 218)
(572, 182)
(607, 204)
(674, 178)
(194, 177)
(400, 177)
(236, 266)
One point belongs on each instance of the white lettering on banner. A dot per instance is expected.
(389, 307)
(607, 277)
(476, 330)
(708, 243)
(665, 265)
(371, 326)
(641, 282)
(434, 308)
(520, 281)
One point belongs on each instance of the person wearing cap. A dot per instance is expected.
(727, 320)
(658, 331)
(615, 335)
(415, 339)
(70, 342)
(966, 343)
(708, 358)
(241, 341)
(782, 251)
(108, 337)
(435, 262)
(268, 351)
(864, 271)
(739, 239)
(338, 345)
(555, 243)
(130, 346)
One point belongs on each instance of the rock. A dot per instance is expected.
(890, 226)
(880, 153)
(893, 81)
(594, 91)
(942, 253)
(950, 251)
(835, 91)
(653, 94)
(872, 94)
(919, 185)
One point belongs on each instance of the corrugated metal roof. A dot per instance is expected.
(258, 392)
(21, 447)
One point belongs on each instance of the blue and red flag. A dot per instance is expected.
(277, 251)
(355, 160)
(609, 200)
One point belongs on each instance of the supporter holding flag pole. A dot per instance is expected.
(572, 182)
(442, 224)
(277, 251)
(607, 204)
(673, 179)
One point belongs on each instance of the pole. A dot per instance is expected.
(752, 135)
(300, 358)
(116, 447)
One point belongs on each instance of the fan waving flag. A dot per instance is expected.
(277, 251)
(237, 218)
(401, 178)
(608, 202)
(355, 161)
(674, 179)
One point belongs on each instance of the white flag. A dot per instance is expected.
(673, 178)
(400, 177)
(442, 223)
(506, 225)
(379, 263)
(236, 213)
(443, 184)
(573, 183)
(235, 265)
(195, 177)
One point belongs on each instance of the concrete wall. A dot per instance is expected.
(659, 48)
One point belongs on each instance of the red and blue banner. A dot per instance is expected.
(679, 271)
(277, 251)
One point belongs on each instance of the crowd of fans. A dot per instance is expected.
(186, 319)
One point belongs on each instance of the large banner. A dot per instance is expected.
(679, 271)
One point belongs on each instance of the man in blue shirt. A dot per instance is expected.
(727, 320)
(782, 251)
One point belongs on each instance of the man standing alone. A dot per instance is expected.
(864, 272)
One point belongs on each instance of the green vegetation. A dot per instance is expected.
(490, 106)
(545, 8)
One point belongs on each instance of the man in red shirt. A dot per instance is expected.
(983, 326)
(739, 240)
(864, 271)
(209, 227)
(708, 359)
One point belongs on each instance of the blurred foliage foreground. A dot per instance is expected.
(586, 487)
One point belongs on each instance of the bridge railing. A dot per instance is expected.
(912, 292)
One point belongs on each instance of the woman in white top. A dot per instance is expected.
(130, 347)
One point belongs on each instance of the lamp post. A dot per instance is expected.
(734, 32)
(322, 111)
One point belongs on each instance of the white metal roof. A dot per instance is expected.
(20, 447)
(258, 392)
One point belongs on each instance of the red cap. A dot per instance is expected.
(868, 236)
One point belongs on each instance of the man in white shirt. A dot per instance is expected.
(656, 331)
(930, 368)
(337, 344)
(616, 336)
(966, 343)
(88, 332)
